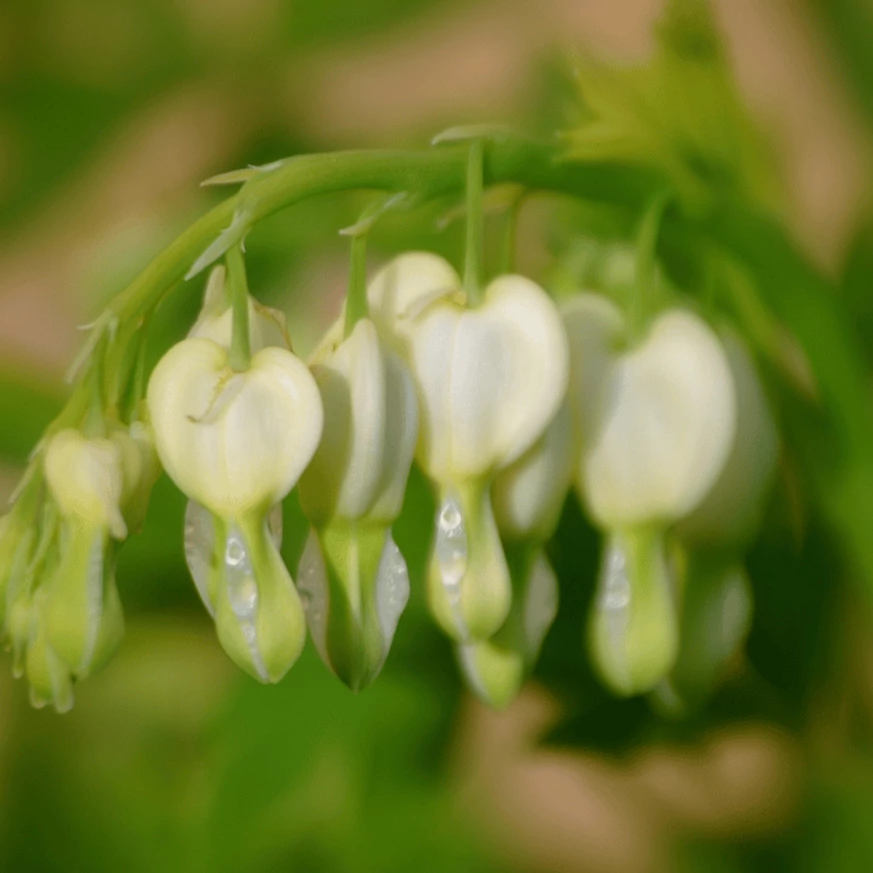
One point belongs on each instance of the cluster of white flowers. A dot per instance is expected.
(505, 404)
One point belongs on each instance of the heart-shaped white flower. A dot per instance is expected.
(490, 379)
(233, 442)
(666, 425)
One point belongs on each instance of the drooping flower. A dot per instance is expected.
(715, 593)
(352, 576)
(236, 443)
(663, 419)
(527, 497)
(489, 381)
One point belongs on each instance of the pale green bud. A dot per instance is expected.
(215, 321)
(234, 442)
(247, 589)
(354, 584)
(86, 479)
(496, 669)
(84, 621)
(50, 678)
(633, 631)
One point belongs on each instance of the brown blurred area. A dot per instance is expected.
(559, 812)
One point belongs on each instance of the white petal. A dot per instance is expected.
(667, 427)
(233, 441)
(490, 379)
(397, 291)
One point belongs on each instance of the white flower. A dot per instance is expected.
(665, 425)
(655, 422)
(352, 576)
(489, 381)
(233, 442)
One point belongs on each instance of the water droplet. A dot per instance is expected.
(451, 547)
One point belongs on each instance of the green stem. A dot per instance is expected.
(240, 343)
(475, 221)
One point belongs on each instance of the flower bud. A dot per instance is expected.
(215, 321)
(633, 631)
(82, 613)
(86, 479)
(233, 442)
(489, 381)
(352, 577)
(50, 678)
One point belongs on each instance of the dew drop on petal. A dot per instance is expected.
(242, 591)
(451, 548)
(199, 543)
(615, 598)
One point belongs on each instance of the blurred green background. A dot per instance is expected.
(111, 113)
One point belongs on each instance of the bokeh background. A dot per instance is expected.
(111, 114)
